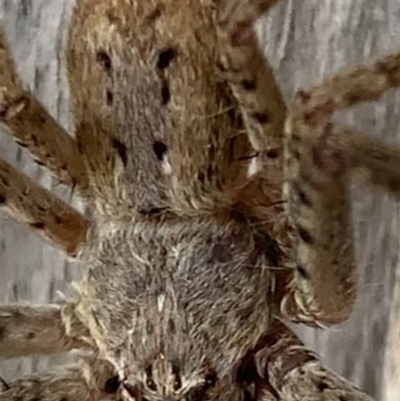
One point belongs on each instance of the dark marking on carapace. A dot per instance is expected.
(21, 144)
(165, 58)
(159, 148)
(171, 326)
(104, 60)
(303, 272)
(58, 220)
(154, 15)
(165, 94)
(262, 118)
(305, 235)
(109, 98)
(149, 328)
(269, 247)
(201, 177)
(322, 386)
(248, 84)
(38, 162)
(121, 150)
(272, 153)
(4, 384)
(301, 195)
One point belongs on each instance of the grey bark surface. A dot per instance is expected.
(305, 41)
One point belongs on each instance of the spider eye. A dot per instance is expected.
(210, 380)
(151, 385)
(200, 393)
(149, 379)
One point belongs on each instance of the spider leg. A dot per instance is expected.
(316, 173)
(372, 162)
(320, 160)
(41, 211)
(263, 110)
(249, 74)
(317, 189)
(48, 329)
(293, 373)
(33, 127)
(361, 84)
(79, 382)
(375, 162)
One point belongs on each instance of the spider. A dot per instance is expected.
(216, 212)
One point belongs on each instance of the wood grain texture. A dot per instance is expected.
(305, 41)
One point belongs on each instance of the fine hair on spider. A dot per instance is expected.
(218, 213)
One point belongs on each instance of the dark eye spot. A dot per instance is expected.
(165, 58)
(104, 60)
(159, 148)
(2, 199)
(210, 380)
(111, 386)
(199, 393)
(151, 385)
